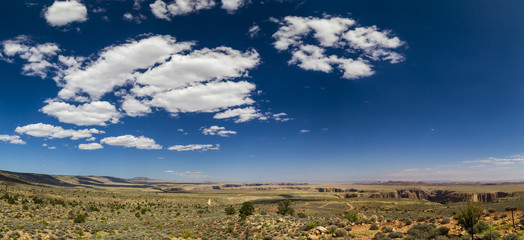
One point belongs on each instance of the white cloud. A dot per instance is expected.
(94, 113)
(151, 73)
(242, 114)
(304, 131)
(216, 130)
(134, 18)
(232, 5)
(282, 117)
(135, 108)
(498, 161)
(358, 46)
(52, 148)
(209, 97)
(62, 13)
(253, 31)
(166, 11)
(13, 139)
(116, 64)
(90, 146)
(131, 141)
(38, 56)
(194, 147)
(189, 174)
(50, 131)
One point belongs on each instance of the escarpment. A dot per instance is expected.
(440, 196)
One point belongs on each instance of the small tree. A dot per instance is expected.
(247, 209)
(468, 217)
(284, 208)
(512, 209)
(230, 210)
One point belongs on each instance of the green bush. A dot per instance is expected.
(445, 221)
(387, 229)
(301, 215)
(230, 210)
(468, 217)
(247, 209)
(395, 235)
(331, 228)
(380, 236)
(422, 231)
(373, 226)
(511, 236)
(340, 232)
(481, 227)
(80, 218)
(491, 236)
(310, 226)
(443, 230)
(284, 208)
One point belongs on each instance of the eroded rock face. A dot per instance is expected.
(439, 196)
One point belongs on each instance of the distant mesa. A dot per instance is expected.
(141, 179)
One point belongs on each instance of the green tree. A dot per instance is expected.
(230, 210)
(247, 209)
(468, 217)
(512, 209)
(284, 208)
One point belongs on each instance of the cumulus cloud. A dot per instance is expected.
(90, 146)
(194, 147)
(232, 5)
(216, 130)
(38, 56)
(137, 18)
(149, 73)
(50, 131)
(13, 139)
(241, 114)
(62, 13)
(308, 38)
(131, 141)
(93, 113)
(166, 11)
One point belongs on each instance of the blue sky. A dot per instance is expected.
(236, 90)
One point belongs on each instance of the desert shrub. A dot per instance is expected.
(443, 230)
(340, 232)
(352, 217)
(395, 235)
(387, 229)
(247, 209)
(380, 236)
(422, 231)
(468, 217)
(511, 236)
(521, 221)
(331, 228)
(481, 227)
(491, 210)
(407, 222)
(504, 215)
(284, 208)
(310, 226)
(491, 236)
(445, 221)
(80, 218)
(421, 219)
(373, 226)
(301, 215)
(187, 234)
(441, 238)
(230, 210)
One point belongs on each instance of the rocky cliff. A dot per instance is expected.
(439, 196)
